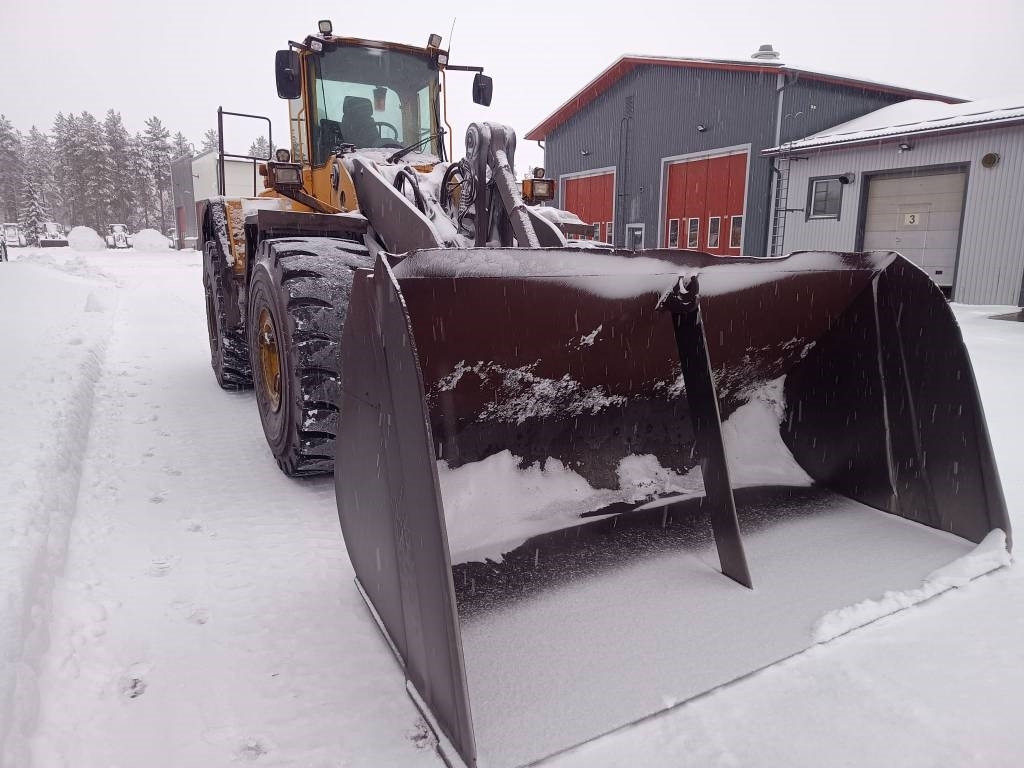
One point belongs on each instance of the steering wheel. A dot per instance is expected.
(380, 124)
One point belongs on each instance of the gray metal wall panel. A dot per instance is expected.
(809, 106)
(990, 266)
(668, 104)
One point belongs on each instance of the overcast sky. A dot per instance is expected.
(180, 59)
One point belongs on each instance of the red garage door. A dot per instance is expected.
(592, 198)
(704, 204)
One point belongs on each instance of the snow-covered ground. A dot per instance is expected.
(168, 598)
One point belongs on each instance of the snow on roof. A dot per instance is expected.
(911, 117)
(631, 61)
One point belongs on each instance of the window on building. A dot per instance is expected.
(736, 232)
(714, 229)
(826, 197)
(673, 233)
(693, 233)
(597, 231)
(609, 232)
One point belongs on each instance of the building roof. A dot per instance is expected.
(627, 63)
(911, 118)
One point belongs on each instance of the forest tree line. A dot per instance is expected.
(92, 172)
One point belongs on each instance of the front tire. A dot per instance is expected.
(298, 298)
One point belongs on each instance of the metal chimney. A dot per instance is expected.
(765, 52)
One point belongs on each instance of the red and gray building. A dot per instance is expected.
(666, 152)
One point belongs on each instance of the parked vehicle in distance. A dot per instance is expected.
(13, 235)
(117, 236)
(51, 235)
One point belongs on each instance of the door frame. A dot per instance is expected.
(705, 154)
(643, 234)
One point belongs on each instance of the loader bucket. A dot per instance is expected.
(580, 487)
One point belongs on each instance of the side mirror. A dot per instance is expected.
(483, 87)
(289, 76)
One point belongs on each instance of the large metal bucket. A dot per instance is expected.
(541, 450)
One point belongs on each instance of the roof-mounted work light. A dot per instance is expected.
(325, 27)
(434, 41)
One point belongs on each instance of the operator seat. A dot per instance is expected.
(357, 123)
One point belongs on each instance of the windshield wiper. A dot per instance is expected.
(406, 150)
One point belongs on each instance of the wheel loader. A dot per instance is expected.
(579, 485)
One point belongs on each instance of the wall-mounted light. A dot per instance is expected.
(905, 147)
(584, 152)
(701, 128)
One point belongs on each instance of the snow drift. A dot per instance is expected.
(85, 239)
(149, 240)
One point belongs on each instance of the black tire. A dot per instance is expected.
(229, 348)
(298, 298)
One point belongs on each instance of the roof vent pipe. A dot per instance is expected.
(765, 52)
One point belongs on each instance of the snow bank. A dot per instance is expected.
(86, 239)
(50, 367)
(990, 554)
(149, 240)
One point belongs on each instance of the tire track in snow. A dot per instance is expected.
(72, 317)
(207, 615)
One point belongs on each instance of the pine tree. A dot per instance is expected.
(39, 163)
(92, 183)
(156, 141)
(137, 171)
(210, 141)
(33, 211)
(116, 179)
(260, 148)
(180, 145)
(10, 169)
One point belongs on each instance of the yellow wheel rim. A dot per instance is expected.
(270, 359)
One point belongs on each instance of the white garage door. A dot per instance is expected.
(919, 216)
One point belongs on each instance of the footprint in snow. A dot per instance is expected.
(251, 750)
(133, 682)
(159, 568)
(172, 471)
(133, 687)
(192, 613)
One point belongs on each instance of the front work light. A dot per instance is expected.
(538, 172)
(325, 27)
(542, 189)
(283, 155)
(288, 175)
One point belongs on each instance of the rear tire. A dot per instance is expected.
(298, 298)
(229, 350)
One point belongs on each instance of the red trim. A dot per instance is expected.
(606, 79)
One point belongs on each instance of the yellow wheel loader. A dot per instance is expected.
(579, 485)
